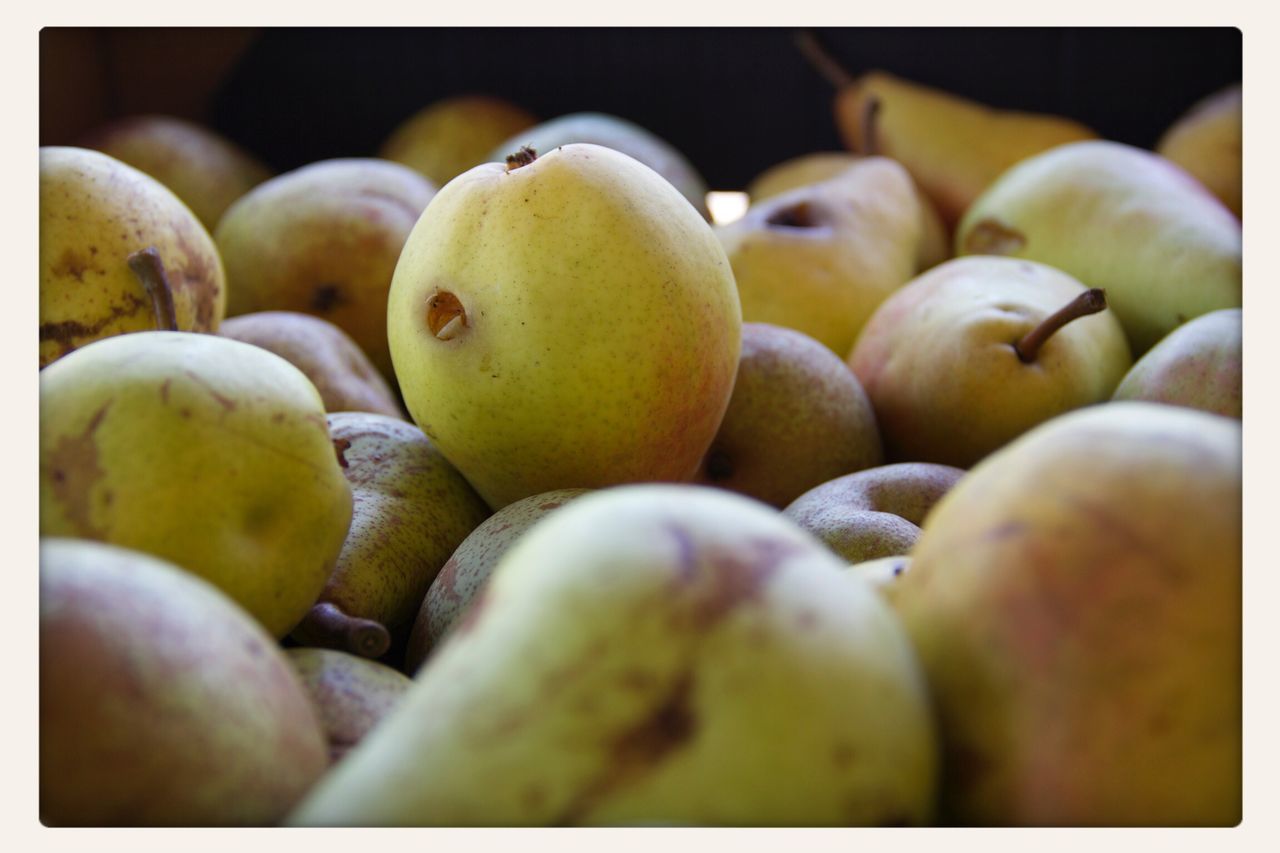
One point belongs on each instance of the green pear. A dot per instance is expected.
(978, 350)
(798, 417)
(204, 451)
(448, 137)
(162, 703)
(873, 513)
(119, 252)
(412, 509)
(820, 258)
(351, 694)
(464, 575)
(1076, 602)
(324, 240)
(335, 364)
(1117, 218)
(203, 168)
(1199, 364)
(1208, 141)
(655, 654)
(619, 134)
(564, 321)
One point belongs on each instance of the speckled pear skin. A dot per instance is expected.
(874, 513)
(162, 703)
(208, 452)
(1076, 602)
(324, 240)
(96, 211)
(1199, 364)
(465, 573)
(632, 661)
(335, 364)
(1120, 218)
(594, 325)
(798, 417)
(351, 694)
(412, 509)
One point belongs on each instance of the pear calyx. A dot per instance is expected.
(446, 318)
(146, 265)
(993, 237)
(798, 215)
(1091, 301)
(326, 625)
(523, 157)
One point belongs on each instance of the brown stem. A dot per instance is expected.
(327, 626)
(1090, 302)
(146, 265)
(868, 127)
(822, 61)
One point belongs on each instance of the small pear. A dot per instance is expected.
(412, 509)
(1199, 364)
(351, 694)
(1208, 141)
(464, 575)
(448, 137)
(798, 417)
(335, 364)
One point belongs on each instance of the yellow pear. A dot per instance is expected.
(564, 321)
(208, 452)
(1208, 142)
(119, 252)
(1119, 218)
(1076, 602)
(448, 137)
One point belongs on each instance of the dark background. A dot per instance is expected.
(733, 100)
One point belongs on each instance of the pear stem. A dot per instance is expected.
(327, 626)
(822, 61)
(868, 125)
(146, 265)
(1090, 302)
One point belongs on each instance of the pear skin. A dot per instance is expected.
(1199, 364)
(450, 136)
(1208, 141)
(1076, 601)
(654, 654)
(162, 703)
(351, 694)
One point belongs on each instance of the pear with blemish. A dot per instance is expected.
(634, 660)
(464, 575)
(1199, 365)
(208, 452)
(119, 252)
(351, 694)
(324, 240)
(411, 511)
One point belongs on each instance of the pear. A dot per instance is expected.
(1076, 602)
(819, 259)
(564, 321)
(798, 417)
(412, 509)
(978, 350)
(1199, 364)
(351, 694)
(202, 167)
(654, 654)
(465, 573)
(1121, 219)
(162, 703)
(204, 451)
(335, 364)
(954, 147)
(875, 513)
(1208, 142)
(324, 240)
(119, 252)
(619, 134)
(882, 573)
(448, 137)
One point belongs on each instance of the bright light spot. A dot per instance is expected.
(726, 206)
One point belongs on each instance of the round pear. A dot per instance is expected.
(1199, 364)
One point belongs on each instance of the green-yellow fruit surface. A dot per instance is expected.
(95, 212)
(448, 137)
(1208, 141)
(162, 703)
(655, 654)
(1076, 602)
(211, 453)
(569, 323)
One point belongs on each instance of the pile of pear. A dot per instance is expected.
(496, 486)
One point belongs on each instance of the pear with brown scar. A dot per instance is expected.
(660, 655)
(324, 240)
